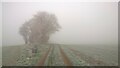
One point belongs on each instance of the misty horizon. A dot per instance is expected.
(81, 23)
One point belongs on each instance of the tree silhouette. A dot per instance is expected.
(39, 28)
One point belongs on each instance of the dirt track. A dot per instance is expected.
(65, 58)
(42, 61)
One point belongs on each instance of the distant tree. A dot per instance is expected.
(24, 32)
(39, 28)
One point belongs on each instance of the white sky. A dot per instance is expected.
(60, 1)
(82, 22)
(0, 24)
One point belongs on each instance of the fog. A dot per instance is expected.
(82, 23)
(0, 24)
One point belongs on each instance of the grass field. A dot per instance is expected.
(10, 54)
(61, 55)
(106, 53)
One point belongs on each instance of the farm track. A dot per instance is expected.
(42, 61)
(65, 58)
(50, 57)
(89, 60)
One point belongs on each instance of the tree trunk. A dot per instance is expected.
(26, 42)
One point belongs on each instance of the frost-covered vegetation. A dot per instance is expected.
(57, 55)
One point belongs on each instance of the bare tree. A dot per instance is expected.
(24, 31)
(39, 28)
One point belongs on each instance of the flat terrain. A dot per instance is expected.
(106, 53)
(10, 54)
(60, 55)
